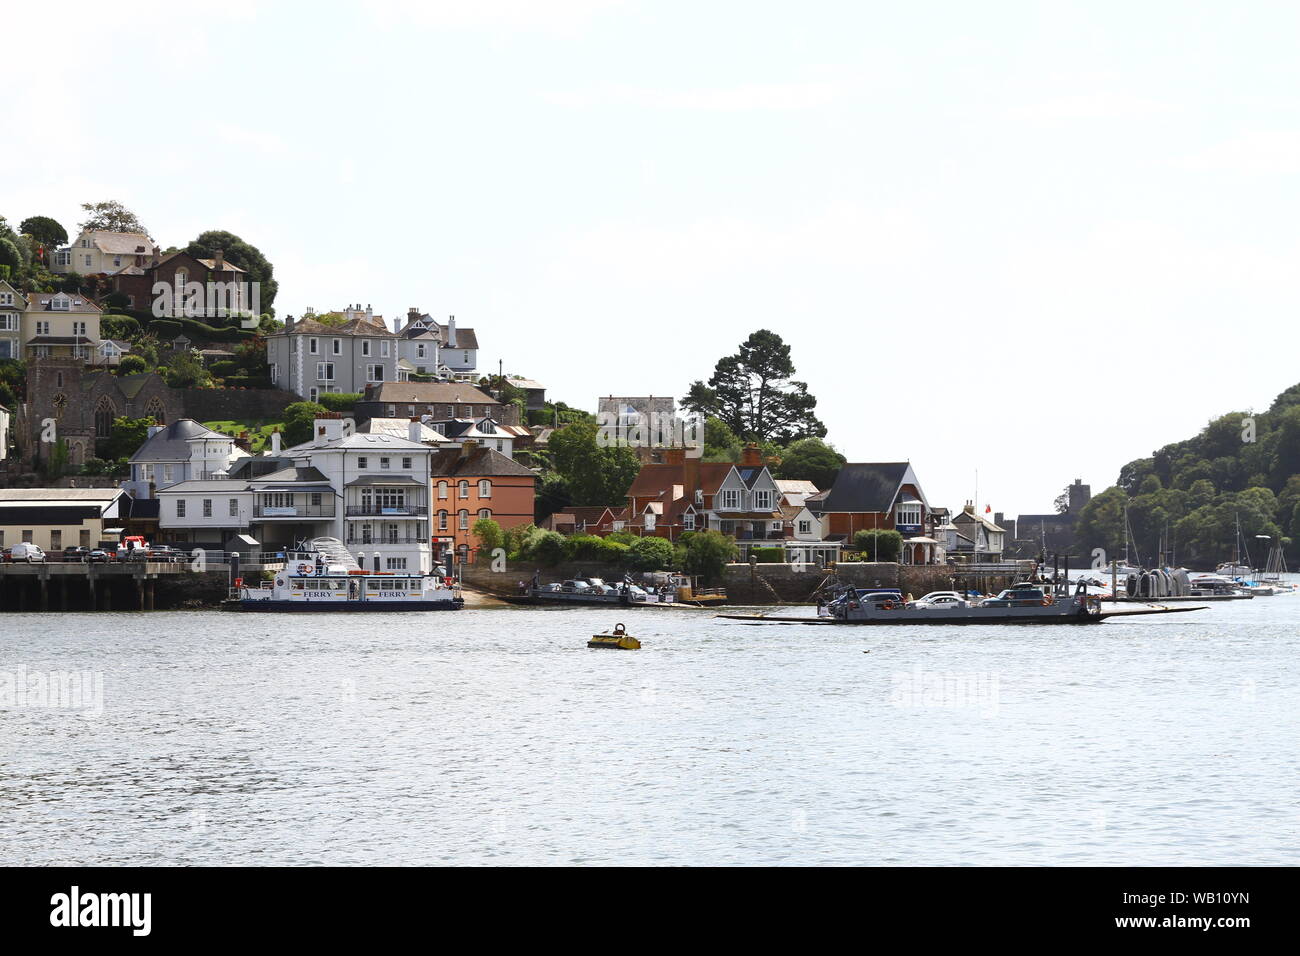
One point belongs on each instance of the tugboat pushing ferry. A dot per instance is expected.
(327, 578)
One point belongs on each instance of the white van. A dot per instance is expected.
(26, 551)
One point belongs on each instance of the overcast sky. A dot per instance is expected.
(1037, 240)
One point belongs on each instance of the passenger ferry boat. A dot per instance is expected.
(327, 578)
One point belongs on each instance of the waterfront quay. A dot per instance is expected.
(112, 586)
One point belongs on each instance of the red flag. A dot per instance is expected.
(987, 509)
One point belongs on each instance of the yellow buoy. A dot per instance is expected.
(620, 640)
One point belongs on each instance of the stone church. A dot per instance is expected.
(80, 405)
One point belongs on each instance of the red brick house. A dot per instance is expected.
(581, 520)
(686, 494)
(179, 270)
(469, 483)
(873, 496)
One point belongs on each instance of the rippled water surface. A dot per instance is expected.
(495, 736)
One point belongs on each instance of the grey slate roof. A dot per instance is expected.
(172, 443)
(301, 475)
(861, 488)
(450, 462)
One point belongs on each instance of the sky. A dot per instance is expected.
(1024, 241)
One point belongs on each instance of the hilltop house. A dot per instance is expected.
(443, 350)
(878, 496)
(471, 482)
(195, 288)
(60, 325)
(439, 401)
(309, 357)
(12, 306)
(99, 251)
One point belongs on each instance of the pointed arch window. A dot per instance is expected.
(105, 412)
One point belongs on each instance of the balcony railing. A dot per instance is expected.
(323, 510)
(387, 511)
(379, 540)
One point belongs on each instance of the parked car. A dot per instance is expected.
(1020, 596)
(75, 552)
(26, 551)
(98, 556)
(942, 599)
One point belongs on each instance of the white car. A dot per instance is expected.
(942, 599)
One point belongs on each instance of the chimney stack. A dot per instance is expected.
(275, 442)
(219, 258)
(329, 427)
(467, 448)
(414, 430)
(451, 332)
(751, 456)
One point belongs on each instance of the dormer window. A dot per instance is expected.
(908, 513)
(60, 303)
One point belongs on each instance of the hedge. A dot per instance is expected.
(339, 401)
(768, 555)
(589, 547)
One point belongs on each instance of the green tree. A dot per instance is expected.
(708, 553)
(13, 383)
(650, 554)
(544, 547)
(132, 365)
(45, 230)
(884, 544)
(300, 422)
(111, 216)
(186, 370)
(56, 463)
(720, 442)
(595, 474)
(113, 326)
(755, 393)
(10, 256)
(243, 254)
(810, 459)
(126, 436)
(553, 495)
(1101, 522)
(490, 537)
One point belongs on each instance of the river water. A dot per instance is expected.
(495, 736)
